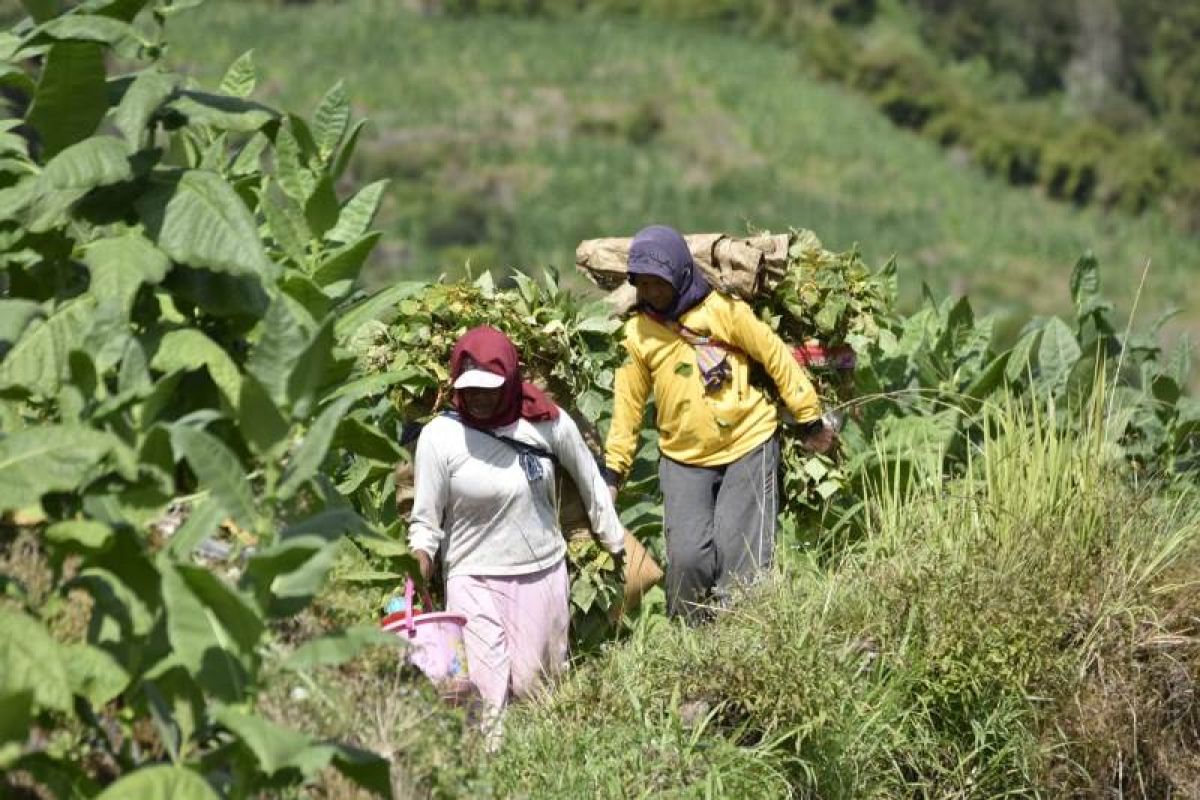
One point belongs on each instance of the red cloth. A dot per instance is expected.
(488, 349)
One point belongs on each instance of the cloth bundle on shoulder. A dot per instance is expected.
(743, 267)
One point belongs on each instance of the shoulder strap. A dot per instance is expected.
(528, 453)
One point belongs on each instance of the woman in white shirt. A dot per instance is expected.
(485, 494)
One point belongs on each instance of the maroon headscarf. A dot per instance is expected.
(488, 349)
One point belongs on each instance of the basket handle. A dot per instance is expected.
(409, 621)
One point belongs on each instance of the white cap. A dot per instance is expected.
(478, 379)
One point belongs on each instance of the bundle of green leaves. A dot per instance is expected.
(568, 345)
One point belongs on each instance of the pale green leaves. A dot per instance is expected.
(337, 648)
(211, 629)
(331, 119)
(37, 363)
(217, 469)
(97, 161)
(29, 661)
(190, 349)
(201, 221)
(278, 749)
(48, 458)
(241, 77)
(119, 267)
(308, 457)
(357, 214)
(1057, 355)
(160, 783)
(144, 97)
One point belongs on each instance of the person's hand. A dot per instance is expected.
(619, 563)
(821, 441)
(425, 564)
(612, 492)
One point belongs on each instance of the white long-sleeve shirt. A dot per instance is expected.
(472, 491)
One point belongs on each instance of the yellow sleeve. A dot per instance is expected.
(755, 338)
(631, 386)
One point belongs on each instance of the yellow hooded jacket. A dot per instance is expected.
(695, 427)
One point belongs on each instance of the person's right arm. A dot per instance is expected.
(631, 387)
(431, 497)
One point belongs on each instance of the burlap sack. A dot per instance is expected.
(744, 267)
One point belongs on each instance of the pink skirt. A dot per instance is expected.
(516, 634)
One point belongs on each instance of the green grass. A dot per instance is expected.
(510, 140)
(1026, 630)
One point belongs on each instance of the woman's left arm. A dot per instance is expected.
(577, 459)
(757, 340)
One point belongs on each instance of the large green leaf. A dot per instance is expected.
(337, 648)
(235, 614)
(38, 361)
(189, 349)
(160, 783)
(200, 641)
(119, 266)
(48, 458)
(286, 220)
(312, 451)
(84, 28)
(342, 159)
(1023, 356)
(375, 306)
(71, 96)
(331, 119)
(286, 575)
(222, 112)
(283, 339)
(276, 747)
(218, 470)
(321, 210)
(142, 100)
(30, 660)
(86, 534)
(364, 440)
(200, 220)
(1057, 354)
(311, 371)
(346, 262)
(293, 176)
(93, 673)
(98, 161)
(357, 213)
(15, 316)
(263, 427)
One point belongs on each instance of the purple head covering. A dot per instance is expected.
(660, 251)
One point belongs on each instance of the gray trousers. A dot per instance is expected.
(720, 526)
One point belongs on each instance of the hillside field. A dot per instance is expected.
(509, 140)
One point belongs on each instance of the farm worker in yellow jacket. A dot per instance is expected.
(692, 347)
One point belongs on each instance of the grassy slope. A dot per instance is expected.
(523, 135)
(1027, 630)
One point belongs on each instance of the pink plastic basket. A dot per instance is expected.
(435, 640)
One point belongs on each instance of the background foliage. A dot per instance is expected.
(507, 149)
